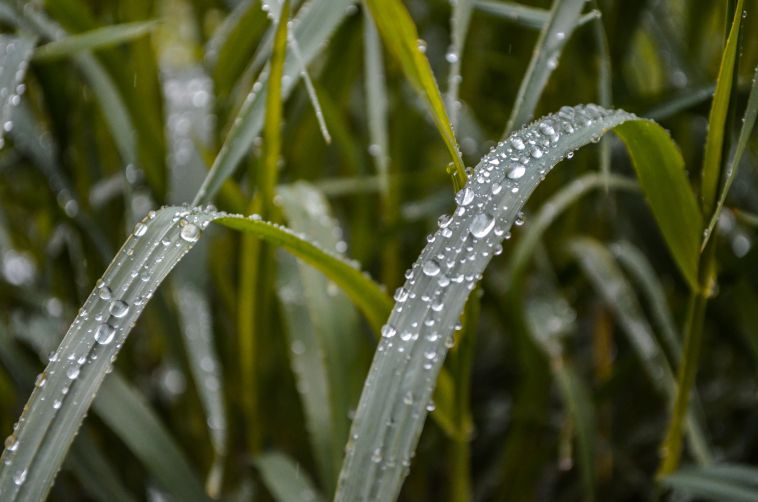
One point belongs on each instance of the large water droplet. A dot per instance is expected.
(73, 372)
(104, 334)
(516, 171)
(190, 232)
(19, 477)
(103, 291)
(431, 268)
(481, 225)
(118, 308)
(464, 196)
(401, 294)
(517, 143)
(140, 229)
(388, 331)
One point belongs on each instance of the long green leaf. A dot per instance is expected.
(748, 122)
(99, 38)
(553, 37)
(459, 24)
(314, 24)
(376, 104)
(714, 143)
(16, 53)
(396, 394)
(524, 15)
(399, 34)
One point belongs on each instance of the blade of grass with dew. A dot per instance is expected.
(314, 24)
(681, 101)
(16, 54)
(748, 122)
(725, 483)
(598, 265)
(552, 209)
(712, 167)
(328, 359)
(399, 35)
(410, 354)
(86, 461)
(100, 38)
(376, 104)
(125, 412)
(524, 15)
(460, 19)
(635, 262)
(553, 37)
(285, 480)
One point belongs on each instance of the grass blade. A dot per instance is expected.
(100, 38)
(553, 37)
(328, 358)
(725, 483)
(714, 143)
(616, 292)
(748, 122)
(285, 480)
(16, 54)
(399, 34)
(376, 104)
(313, 25)
(413, 346)
(459, 23)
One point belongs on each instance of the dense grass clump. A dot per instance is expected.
(324, 221)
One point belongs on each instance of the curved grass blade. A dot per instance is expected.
(396, 393)
(78, 367)
(714, 143)
(724, 483)
(314, 24)
(286, 481)
(598, 265)
(100, 38)
(635, 262)
(16, 53)
(604, 84)
(399, 34)
(681, 101)
(329, 361)
(748, 122)
(553, 37)
(524, 15)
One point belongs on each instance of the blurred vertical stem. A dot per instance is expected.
(255, 258)
(671, 448)
(461, 359)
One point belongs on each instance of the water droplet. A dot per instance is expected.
(516, 171)
(496, 187)
(421, 44)
(431, 268)
(443, 221)
(517, 143)
(464, 196)
(408, 398)
(118, 308)
(406, 336)
(190, 232)
(401, 294)
(73, 372)
(376, 457)
(536, 153)
(481, 225)
(451, 57)
(104, 334)
(19, 477)
(388, 331)
(11, 443)
(104, 292)
(140, 229)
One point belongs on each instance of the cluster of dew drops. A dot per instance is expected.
(11, 96)
(464, 242)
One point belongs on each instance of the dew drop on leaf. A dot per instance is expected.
(104, 334)
(481, 225)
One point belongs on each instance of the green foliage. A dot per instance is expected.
(583, 356)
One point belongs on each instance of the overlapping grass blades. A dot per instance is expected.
(99, 38)
(397, 391)
(77, 369)
(16, 54)
(724, 482)
(314, 24)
